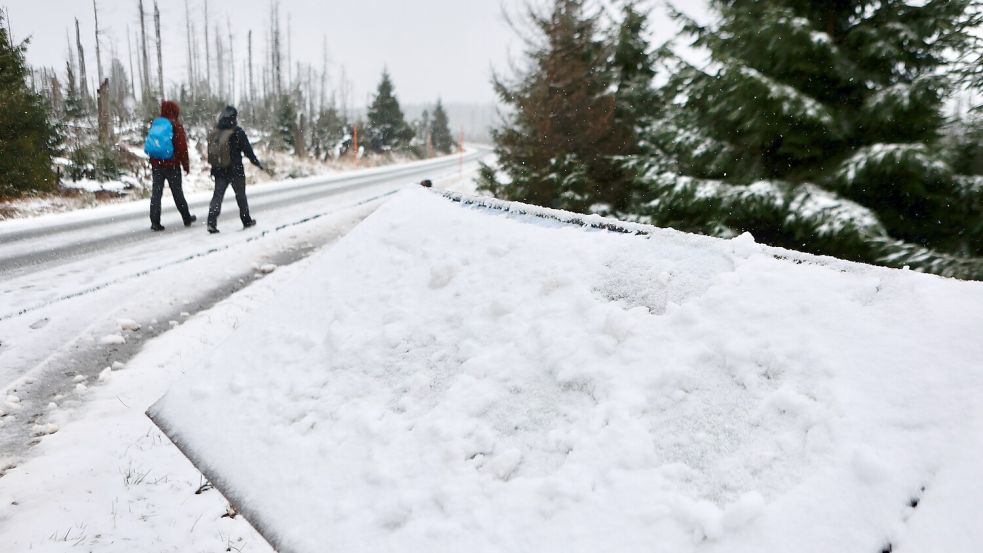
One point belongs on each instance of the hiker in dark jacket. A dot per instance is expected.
(228, 139)
(170, 170)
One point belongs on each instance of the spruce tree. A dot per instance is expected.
(387, 129)
(440, 132)
(286, 123)
(557, 144)
(422, 127)
(816, 127)
(328, 133)
(632, 69)
(27, 138)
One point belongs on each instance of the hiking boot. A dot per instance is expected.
(249, 223)
(212, 229)
(191, 220)
(157, 228)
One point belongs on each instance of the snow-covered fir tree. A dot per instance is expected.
(328, 133)
(816, 126)
(387, 128)
(632, 69)
(557, 145)
(27, 138)
(440, 131)
(284, 136)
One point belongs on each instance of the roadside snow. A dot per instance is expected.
(102, 477)
(453, 379)
(105, 479)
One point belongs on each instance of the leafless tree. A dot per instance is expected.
(95, 13)
(83, 80)
(160, 59)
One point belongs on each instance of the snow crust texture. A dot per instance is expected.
(451, 378)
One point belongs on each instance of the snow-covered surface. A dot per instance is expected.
(104, 479)
(116, 186)
(449, 378)
(101, 477)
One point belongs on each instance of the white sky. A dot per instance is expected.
(432, 48)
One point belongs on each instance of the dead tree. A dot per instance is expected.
(252, 91)
(208, 56)
(105, 115)
(129, 52)
(56, 97)
(232, 64)
(95, 13)
(191, 67)
(219, 63)
(145, 88)
(83, 80)
(300, 148)
(160, 60)
(276, 51)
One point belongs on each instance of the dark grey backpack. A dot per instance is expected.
(219, 148)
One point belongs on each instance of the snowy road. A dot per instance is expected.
(74, 287)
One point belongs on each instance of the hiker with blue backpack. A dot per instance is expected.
(167, 147)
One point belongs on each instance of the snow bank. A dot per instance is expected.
(453, 378)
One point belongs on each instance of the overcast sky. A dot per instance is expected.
(432, 48)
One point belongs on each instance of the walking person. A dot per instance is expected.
(227, 143)
(167, 147)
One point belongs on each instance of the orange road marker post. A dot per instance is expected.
(356, 145)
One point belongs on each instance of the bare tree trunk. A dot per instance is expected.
(208, 55)
(145, 89)
(10, 34)
(56, 99)
(95, 12)
(300, 149)
(232, 64)
(160, 59)
(83, 80)
(105, 119)
(324, 73)
(290, 79)
(310, 91)
(252, 91)
(277, 69)
(198, 64)
(129, 52)
(219, 63)
(191, 66)
(71, 51)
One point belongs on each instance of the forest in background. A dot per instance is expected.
(89, 117)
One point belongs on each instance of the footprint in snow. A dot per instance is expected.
(39, 324)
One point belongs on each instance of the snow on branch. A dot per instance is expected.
(791, 102)
(887, 157)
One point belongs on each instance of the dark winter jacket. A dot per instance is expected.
(172, 112)
(238, 145)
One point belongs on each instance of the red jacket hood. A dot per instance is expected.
(170, 109)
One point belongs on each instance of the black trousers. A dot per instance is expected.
(222, 182)
(173, 178)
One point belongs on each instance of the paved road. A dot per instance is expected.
(35, 247)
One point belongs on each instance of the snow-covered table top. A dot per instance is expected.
(450, 378)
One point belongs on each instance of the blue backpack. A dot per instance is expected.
(160, 140)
